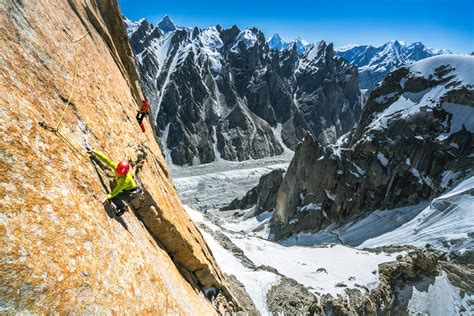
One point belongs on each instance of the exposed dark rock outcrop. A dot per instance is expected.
(410, 139)
(224, 93)
(263, 196)
(384, 300)
(288, 297)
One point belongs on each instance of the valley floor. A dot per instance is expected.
(214, 185)
(241, 246)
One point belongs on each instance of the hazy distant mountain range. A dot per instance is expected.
(374, 63)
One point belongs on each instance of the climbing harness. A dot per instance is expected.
(137, 197)
(137, 192)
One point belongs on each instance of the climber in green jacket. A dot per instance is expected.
(125, 186)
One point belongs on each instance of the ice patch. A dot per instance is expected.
(359, 169)
(441, 298)
(447, 177)
(447, 216)
(463, 116)
(277, 132)
(312, 207)
(330, 196)
(421, 178)
(212, 44)
(383, 160)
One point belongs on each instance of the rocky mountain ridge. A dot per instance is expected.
(375, 63)
(414, 137)
(224, 94)
(276, 42)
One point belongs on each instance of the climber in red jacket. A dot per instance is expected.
(142, 113)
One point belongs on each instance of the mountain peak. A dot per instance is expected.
(132, 26)
(277, 43)
(276, 37)
(396, 43)
(166, 24)
(302, 41)
(302, 45)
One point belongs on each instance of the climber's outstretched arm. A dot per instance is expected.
(105, 159)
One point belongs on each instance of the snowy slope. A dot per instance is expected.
(408, 104)
(447, 223)
(322, 270)
(341, 264)
(256, 283)
(462, 64)
(440, 298)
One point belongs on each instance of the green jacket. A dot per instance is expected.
(121, 182)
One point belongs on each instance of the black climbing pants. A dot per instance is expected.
(120, 199)
(140, 116)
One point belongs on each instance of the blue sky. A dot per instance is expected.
(437, 23)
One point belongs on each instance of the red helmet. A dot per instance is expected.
(122, 168)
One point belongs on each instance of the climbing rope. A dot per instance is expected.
(55, 130)
(73, 84)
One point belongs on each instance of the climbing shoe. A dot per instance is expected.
(120, 212)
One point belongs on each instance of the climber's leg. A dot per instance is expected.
(140, 116)
(119, 202)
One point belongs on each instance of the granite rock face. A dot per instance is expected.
(415, 138)
(223, 93)
(62, 252)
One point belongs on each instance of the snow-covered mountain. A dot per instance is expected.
(375, 63)
(414, 139)
(279, 44)
(132, 26)
(399, 185)
(166, 25)
(224, 94)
